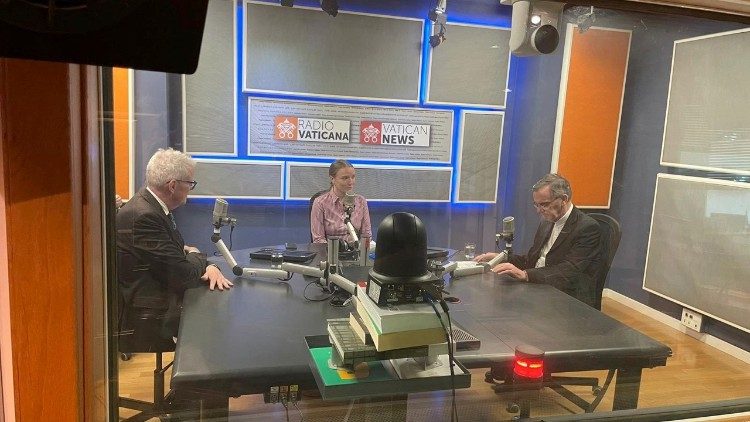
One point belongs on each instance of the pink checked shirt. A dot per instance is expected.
(327, 218)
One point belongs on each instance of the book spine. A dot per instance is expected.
(359, 328)
(401, 339)
(387, 321)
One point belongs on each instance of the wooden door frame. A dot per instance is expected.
(53, 217)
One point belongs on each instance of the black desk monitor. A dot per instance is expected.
(288, 255)
(434, 253)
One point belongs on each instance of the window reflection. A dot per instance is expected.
(219, 125)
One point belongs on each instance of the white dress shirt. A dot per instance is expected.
(556, 229)
(163, 205)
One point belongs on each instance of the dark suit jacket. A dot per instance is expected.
(153, 269)
(573, 262)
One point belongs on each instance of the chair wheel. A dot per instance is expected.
(488, 377)
(513, 408)
(596, 390)
(125, 356)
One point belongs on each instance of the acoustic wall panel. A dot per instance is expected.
(592, 85)
(699, 246)
(479, 156)
(471, 68)
(707, 125)
(303, 51)
(239, 179)
(209, 100)
(376, 183)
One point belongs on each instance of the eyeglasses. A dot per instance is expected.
(545, 205)
(192, 183)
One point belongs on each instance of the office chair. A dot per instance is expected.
(144, 343)
(138, 332)
(608, 243)
(309, 210)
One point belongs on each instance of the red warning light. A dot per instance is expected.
(529, 368)
(529, 363)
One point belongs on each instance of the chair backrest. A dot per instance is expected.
(139, 329)
(309, 210)
(608, 243)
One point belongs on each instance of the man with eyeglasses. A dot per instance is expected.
(565, 253)
(155, 267)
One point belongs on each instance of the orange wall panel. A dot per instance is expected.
(589, 118)
(121, 100)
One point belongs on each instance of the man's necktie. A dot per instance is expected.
(174, 223)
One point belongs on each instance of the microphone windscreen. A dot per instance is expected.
(509, 225)
(220, 209)
(349, 199)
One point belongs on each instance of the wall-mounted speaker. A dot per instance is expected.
(159, 35)
(534, 26)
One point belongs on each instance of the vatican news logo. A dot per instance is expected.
(370, 132)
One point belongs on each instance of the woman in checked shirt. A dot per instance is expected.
(327, 216)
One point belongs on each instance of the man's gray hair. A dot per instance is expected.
(557, 184)
(168, 164)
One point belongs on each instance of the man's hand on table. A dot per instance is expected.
(509, 269)
(215, 278)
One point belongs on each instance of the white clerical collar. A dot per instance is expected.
(163, 205)
(564, 218)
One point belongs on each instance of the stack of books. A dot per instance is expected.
(396, 327)
(410, 330)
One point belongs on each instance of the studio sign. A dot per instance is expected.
(404, 134)
(290, 128)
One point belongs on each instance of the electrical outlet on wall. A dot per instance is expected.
(692, 319)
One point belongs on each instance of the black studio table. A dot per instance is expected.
(248, 339)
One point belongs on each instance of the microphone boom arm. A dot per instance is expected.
(245, 272)
(328, 270)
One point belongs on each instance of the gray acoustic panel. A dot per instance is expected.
(239, 179)
(303, 51)
(479, 156)
(375, 183)
(209, 94)
(262, 113)
(707, 125)
(471, 67)
(699, 247)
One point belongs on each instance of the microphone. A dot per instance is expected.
(349, 208)
(349, 202)
(220, 217)
(220, 211)
(509, 227)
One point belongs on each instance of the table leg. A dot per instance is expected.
(627, 386)
(214, 409)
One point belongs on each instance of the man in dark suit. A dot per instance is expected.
(565, 253)
(155, 267)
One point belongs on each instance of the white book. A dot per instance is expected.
(405, 317)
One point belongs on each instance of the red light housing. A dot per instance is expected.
(529, 363)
